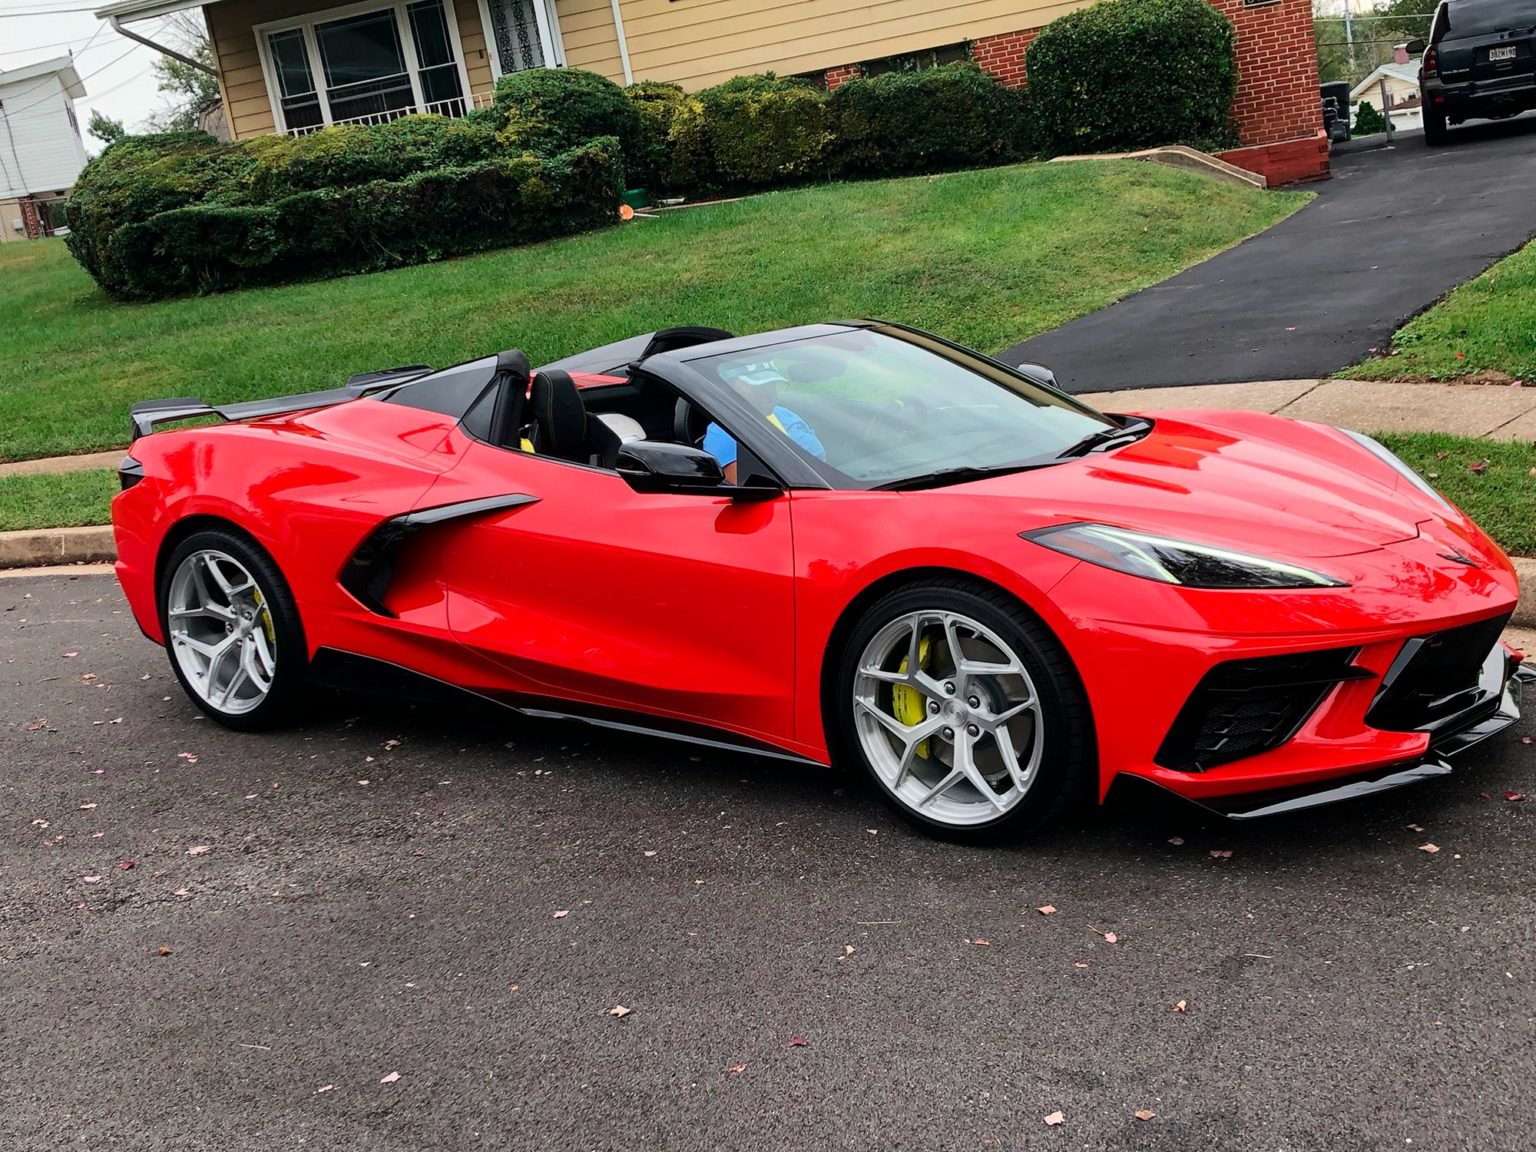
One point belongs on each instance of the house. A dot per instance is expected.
(41, 151)
(298, 65)
(1403, 101)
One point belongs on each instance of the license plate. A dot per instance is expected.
(1502, 53)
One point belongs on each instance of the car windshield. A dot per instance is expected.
(878, 408)
(1481, 17)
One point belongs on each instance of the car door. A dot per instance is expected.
(679, 606)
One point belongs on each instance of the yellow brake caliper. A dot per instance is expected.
(266, 617)
(907, 702)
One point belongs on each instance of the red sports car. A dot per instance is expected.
(853, 542)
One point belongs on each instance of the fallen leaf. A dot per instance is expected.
(36, 725)
(1181, 1006)
(182, 893)
(1221, 853)
(980, 941)
(651, 852)
(162, 951)
(1145, 1114)
(1514, 796)
(86, 807)
(1430, 848)
(39, 823)
(325, 1088)
(1176, 841)
(1046, 909)
(126, 865)
(389, 744)
(1079, 964)
(189, 757)
(1110, 938)
(91, 879)
(364, 783)
(849, 949)
(391, 1078)
(619, 1010)
(1461, 355)
(199, 849)
(70, 655)
(1479, 468)
(1054, 1119)
(797, 1042)
(737, 1069)
(1414, 828)
(562, 914)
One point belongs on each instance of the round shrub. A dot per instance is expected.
(954, 116)
(750, 132)
(1368, 121)
(548, 110)
(657, 105)
(1125, 74)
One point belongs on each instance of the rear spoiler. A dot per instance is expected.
(148, 413)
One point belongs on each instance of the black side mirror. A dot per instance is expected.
(655, 466)
(1414, 47)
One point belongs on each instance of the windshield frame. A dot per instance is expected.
(798, 469)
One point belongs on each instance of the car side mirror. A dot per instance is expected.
(656, 466)
(1414, 47)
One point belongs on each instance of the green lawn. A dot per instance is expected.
(987, 258)
(1487, 325)
(1501, 496)
(60, 500)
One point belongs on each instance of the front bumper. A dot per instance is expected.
(1495, 708)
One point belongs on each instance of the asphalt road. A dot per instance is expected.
(380, 893)
(1390, 234)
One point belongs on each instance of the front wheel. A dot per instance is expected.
(964, 711)
(232, 630)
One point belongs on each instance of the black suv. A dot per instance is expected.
(1480, 61)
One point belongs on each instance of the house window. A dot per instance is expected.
(522, 34)
(365, 64)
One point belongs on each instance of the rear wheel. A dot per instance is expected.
(964, 711)
(1435, 131)
(232, 630)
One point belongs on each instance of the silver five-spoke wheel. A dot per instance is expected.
(948, 717)
(221, 632)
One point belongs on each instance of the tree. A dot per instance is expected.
(105, 129)
(192, 93)
(1373, 32)
(1368, 121)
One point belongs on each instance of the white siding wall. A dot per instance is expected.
(42, 151)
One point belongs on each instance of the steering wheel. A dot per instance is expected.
(910, 411)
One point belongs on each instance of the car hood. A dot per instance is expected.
(1246, 480)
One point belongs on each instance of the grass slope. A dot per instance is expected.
(987, 258)
(60, 500)
(1492, 481)
(1487, 325)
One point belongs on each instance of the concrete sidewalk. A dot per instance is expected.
(1497, 411)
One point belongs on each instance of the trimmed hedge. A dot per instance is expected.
(548, 110)
(1126, 74)
(380, 224)
(954, 116)
(751, 132)
(657, 105)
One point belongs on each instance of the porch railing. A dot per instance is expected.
(455, 107)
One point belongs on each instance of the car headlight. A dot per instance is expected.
(1175, 561)
(1390, 458)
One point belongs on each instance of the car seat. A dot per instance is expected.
(559, 418)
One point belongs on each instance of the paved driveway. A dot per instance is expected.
(1389, 235)
(379, 892)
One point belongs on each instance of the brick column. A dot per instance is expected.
(836, 76)
(1003, 56)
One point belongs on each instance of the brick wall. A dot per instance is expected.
(1277, 99)
(1003, 56)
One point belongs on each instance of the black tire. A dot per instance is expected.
(1067, 777)
(1435, 131)
(291, 664)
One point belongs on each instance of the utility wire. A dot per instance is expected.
(83, 79)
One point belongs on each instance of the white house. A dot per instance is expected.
(41, 151)
(1404, 102)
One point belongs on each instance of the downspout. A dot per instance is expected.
(201, 67)
(618, 27)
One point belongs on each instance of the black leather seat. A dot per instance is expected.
(559, 417)
(689, 423)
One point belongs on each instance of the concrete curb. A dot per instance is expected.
(1180, 156)
(52, 546)
(44, 546)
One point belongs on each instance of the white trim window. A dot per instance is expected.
(364, 64)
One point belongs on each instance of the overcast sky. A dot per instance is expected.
(115, 70)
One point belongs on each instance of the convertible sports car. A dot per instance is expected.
(854, 542)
